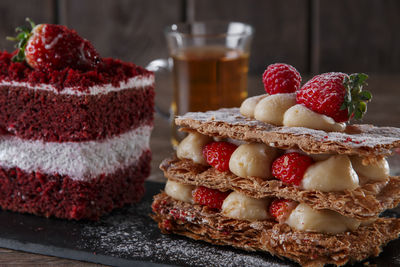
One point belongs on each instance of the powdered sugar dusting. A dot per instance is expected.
(135, 235)
(364, 136)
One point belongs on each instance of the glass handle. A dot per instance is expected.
(160, 65)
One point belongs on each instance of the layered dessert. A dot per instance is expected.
(74, 128)
(285, 173)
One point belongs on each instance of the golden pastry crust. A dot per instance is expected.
(363, 203)
(308, 249)
(363, 140)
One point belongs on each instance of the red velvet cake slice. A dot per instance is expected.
(74, 139)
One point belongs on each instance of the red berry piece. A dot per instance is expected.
(336, 95)
(290, 167)
(280, 209)
(281, 78)
(54, 47)
(211, 198)
(218, 154)
(166, 225)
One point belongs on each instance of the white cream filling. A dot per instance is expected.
(242, 207)
(252, 160)
(78, 160)
(333, 174)
(304, 218)
(271, 109)
(248, 106)
(300, 116)
(134, 82)
(374, 171)
(179, 191)
(192, 147)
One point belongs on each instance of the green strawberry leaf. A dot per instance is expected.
(362, 77)
(32, 24)
(355, 99)
(351, 109)
(365, 95)
(23, 35)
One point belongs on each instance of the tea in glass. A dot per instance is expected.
(208, 78)
(209, 61)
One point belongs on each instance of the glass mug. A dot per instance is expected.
(209, 62)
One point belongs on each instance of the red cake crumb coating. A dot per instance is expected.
(44, 115)
(62, 197)
(49, 116)
(110, 71)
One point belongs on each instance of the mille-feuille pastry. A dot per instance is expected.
(285, 174)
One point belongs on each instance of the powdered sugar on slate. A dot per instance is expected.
(131, 234)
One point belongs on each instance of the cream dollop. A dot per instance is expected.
(300, 116)
(304, 218)
(252, 159)
(272, 108)
(192, 147)
(333, 174)
(179, 191)
(377, 170)
(248, 105)
(239, 206)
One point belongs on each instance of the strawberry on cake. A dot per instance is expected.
(74, 127)
(285, 173)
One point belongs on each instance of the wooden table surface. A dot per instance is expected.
(383, 110)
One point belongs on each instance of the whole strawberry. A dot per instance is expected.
(336, 95)
(290, 167)
(218, 154)
(211, 198)
(281, 78)
(280, 209)
(54, 47)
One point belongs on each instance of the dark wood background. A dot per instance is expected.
(313, 35)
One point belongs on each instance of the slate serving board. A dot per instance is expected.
(129, 237)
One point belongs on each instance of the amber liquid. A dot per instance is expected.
(207, 78)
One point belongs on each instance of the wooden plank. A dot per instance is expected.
(16, 258)
(131, 30)
(13, 14)
(358, 36)
(281, 28)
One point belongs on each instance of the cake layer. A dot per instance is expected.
(60, 196)
(38, 114)
(364, 202)
(308, 249)
(77, 160)
(364, 140)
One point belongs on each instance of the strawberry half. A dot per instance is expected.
(290, 167)
(211, 198)
(336, 95)
(53, 47)
(218, 154)
(280, 209)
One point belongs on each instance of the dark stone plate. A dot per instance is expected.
(129, 237)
